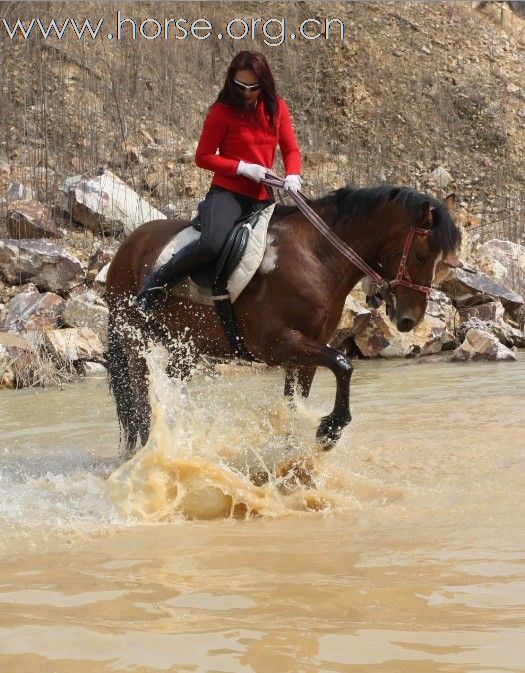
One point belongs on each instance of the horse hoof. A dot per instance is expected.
(330, 431)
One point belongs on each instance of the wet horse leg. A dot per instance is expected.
(299, 350)
(289, 384)
(304, 379)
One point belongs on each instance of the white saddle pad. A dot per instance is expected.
(241, 275)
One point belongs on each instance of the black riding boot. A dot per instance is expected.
(185, 260)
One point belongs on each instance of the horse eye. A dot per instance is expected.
(420, 257)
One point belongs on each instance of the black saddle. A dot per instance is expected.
(215, 274)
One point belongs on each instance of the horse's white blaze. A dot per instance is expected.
(269, 261)
(438, 260)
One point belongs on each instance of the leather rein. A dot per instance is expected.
(402, 278)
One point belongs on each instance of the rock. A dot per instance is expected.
(506, 334)
(480, 345)
(441, 177)
(467, 288)
(93, 369)
(100, 258)
(16, 191)
(40, 262)
(87, 310)
(492, 310)
(440, 306)
(508, 256)
(15, 340)
(73, 344)
(105, 203)
(171, 210)
(381, 339)
(31, 219)
(7, 375)
(354, 319)
(99, 284)
(30, 310)
(491, 267)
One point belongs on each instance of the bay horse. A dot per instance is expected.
(291, 307)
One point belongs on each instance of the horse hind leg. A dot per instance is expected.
(289, 384)
(304, 379)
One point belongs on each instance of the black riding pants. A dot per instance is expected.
(219, 212)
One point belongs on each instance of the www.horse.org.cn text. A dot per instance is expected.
(272, 31)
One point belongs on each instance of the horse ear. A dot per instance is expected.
(426, 213)
(450, 202)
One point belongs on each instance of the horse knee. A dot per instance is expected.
(343, 364)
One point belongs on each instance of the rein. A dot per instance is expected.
(402, 277)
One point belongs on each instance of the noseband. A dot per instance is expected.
(385, 286)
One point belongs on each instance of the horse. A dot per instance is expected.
(291, 307)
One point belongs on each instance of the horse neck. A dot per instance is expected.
(356, 235)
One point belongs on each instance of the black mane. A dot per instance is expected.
(355, 202)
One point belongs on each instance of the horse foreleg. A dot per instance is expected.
(332, 426)
(297, 349)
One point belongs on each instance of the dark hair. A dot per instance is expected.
(255, 61)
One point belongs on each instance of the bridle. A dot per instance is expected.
(403, 277)
(385, 286)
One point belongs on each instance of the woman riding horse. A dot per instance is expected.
(246, 123)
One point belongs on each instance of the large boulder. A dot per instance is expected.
(73, 345)
(470, 287)
(87, 309)
(506, 334)
(105, 203)
(40, 262)
(381, 339)
(31, 310)
(353, 320)
(480, 345)
(492, 310)
(98, 260)
(31, 219)
(506, 261)
(441, 307)
(13, 348)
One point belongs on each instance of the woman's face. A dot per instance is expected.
(247, 77)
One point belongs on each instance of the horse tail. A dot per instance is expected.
(128, 385)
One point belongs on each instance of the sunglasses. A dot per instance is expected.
(246, 87)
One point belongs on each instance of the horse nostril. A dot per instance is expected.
(406, 324)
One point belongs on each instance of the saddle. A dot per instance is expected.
(215, 275)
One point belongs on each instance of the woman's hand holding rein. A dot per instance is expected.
(293, 183)
(253, 171)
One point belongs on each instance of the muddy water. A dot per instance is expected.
(402, 550)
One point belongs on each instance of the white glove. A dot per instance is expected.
(293, 183)
(253, 171)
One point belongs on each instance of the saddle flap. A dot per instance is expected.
(218, 272)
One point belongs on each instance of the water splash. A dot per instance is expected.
(214, 453)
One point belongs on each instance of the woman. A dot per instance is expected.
(245, 124)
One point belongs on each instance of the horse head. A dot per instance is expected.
(420, 238)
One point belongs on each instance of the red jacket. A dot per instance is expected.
(250, 138)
